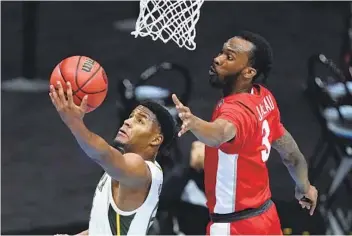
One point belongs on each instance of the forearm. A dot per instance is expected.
(93, 145)
(212, 134)
(298, 170)
(293, 160)
(129, 169)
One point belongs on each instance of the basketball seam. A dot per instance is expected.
(80, 88)
(61, 73)
(76, 75)
(89, 79)
(93, 92)
(87, 103)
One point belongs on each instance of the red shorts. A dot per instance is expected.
(267, 223)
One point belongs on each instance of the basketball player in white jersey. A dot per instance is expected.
(127, 195)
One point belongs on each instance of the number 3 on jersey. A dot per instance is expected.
(265, 141)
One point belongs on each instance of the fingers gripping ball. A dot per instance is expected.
(87, 77)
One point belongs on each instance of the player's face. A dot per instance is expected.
(140, 130)
(231, 62)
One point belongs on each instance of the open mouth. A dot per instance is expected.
(123, 133)
(212, 70)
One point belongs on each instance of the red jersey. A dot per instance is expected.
(236, 176)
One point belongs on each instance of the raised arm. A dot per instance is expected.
(212, 134)
(130, 169)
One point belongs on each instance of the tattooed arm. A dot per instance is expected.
(296, 164)
(293, 160)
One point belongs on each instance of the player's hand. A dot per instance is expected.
(197, 155)
(185, 115)
(309, 199)
(65, 106)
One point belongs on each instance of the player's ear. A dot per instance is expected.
(157, 140)
(249, 73)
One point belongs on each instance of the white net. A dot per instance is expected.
(169, 20)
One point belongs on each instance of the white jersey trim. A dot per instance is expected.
(113, 204)
(128, 213)
(226, 183)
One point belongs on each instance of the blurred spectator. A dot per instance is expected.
(182, 202)
(28, 82)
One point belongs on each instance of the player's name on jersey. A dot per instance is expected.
(266, 106)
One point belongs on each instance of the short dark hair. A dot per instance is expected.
(166, 121)
(261, 57)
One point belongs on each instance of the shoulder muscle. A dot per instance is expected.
(136, 172)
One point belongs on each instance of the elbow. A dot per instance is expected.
(217, 133)
(288, 162)
(214, 143)
(219, 138)
(226, 131)
(217, 141)
(292, 159)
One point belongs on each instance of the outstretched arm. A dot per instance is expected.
(293, 160)
(212, 134)
(130, 169)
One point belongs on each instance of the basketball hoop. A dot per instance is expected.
(169, 20)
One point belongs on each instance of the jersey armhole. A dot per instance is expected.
(156, 174)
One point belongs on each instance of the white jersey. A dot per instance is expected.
(107, 219)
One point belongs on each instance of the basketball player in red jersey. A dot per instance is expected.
(244, 127)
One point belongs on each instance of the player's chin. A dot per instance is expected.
(122, 139)
(216, 82)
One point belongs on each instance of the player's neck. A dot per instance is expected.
(239, 89)
(148, 155)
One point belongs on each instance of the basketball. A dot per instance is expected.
(87, 77)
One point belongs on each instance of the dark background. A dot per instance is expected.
(47, 181)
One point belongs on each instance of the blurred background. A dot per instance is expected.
(47, 182)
